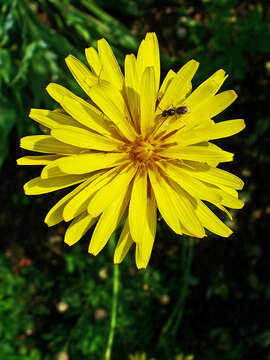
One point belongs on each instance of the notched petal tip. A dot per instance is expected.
(241, 204)
(47, 222)
(31, 111)
(229, 233)
(193, 65)
(26, 190)
(102, 40)
(48, 88)
(234, 94)
(92, 251)
(68, 242)
(243, 123)
(150, 34)
(55, 91)
(141, 267)
(21, 143)
(195, 62)
(69, 57)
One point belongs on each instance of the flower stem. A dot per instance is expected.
(114, 308)
(175, 318)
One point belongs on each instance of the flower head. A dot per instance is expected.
(133, 147)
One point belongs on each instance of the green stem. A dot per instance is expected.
(185, 283)
(175, 318)
(114, 310)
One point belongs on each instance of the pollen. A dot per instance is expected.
(144, 152)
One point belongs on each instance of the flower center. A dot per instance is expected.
(144, 152)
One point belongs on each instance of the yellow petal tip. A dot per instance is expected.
(68, 242)
(141, 267)
(47, 88)
(66, 217)
(26, 190)
(92, 252)
(194, 62)
(69, 58)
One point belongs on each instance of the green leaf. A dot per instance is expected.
(5, 65)
(7, 120)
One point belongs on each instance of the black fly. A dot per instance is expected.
(181, 110)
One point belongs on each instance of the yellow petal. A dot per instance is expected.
(180, 85)
(106, 195)
(87, 115)
(108, 222)
(51, 170)
(208, 88)
(144, 248)
(52, 119)
(152, 38)
(224, 129)
(84, 163)
(165, 84)
(225, 210)
(123, 245)
(229, 200)
(214, 147)
(80, 201)
(138, 204)
(37, 160)
(142, 55)
(47, 144)
(198, 153)
(211, 222)
(189, 136)
(78, 227)
(84, 138)
(164, 203)
(109, 64)
(58, 92)
(215, 104)
(229, 190)
(214, 131)
(213, 175)
(93, 60)
(132, 88)
(82, 111)
(81, 73)
(233, 193)
(193, 186)
(111, 102)
(147, 100)
(55, 215)
(185, 208)
(39, 186)
(219, 76)
(148, 56)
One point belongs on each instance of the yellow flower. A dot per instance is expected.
(134, 147)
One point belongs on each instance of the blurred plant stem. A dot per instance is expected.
(173, 323)
(114, 301)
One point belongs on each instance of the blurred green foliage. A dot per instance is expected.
(35, 37)
(55, 301)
